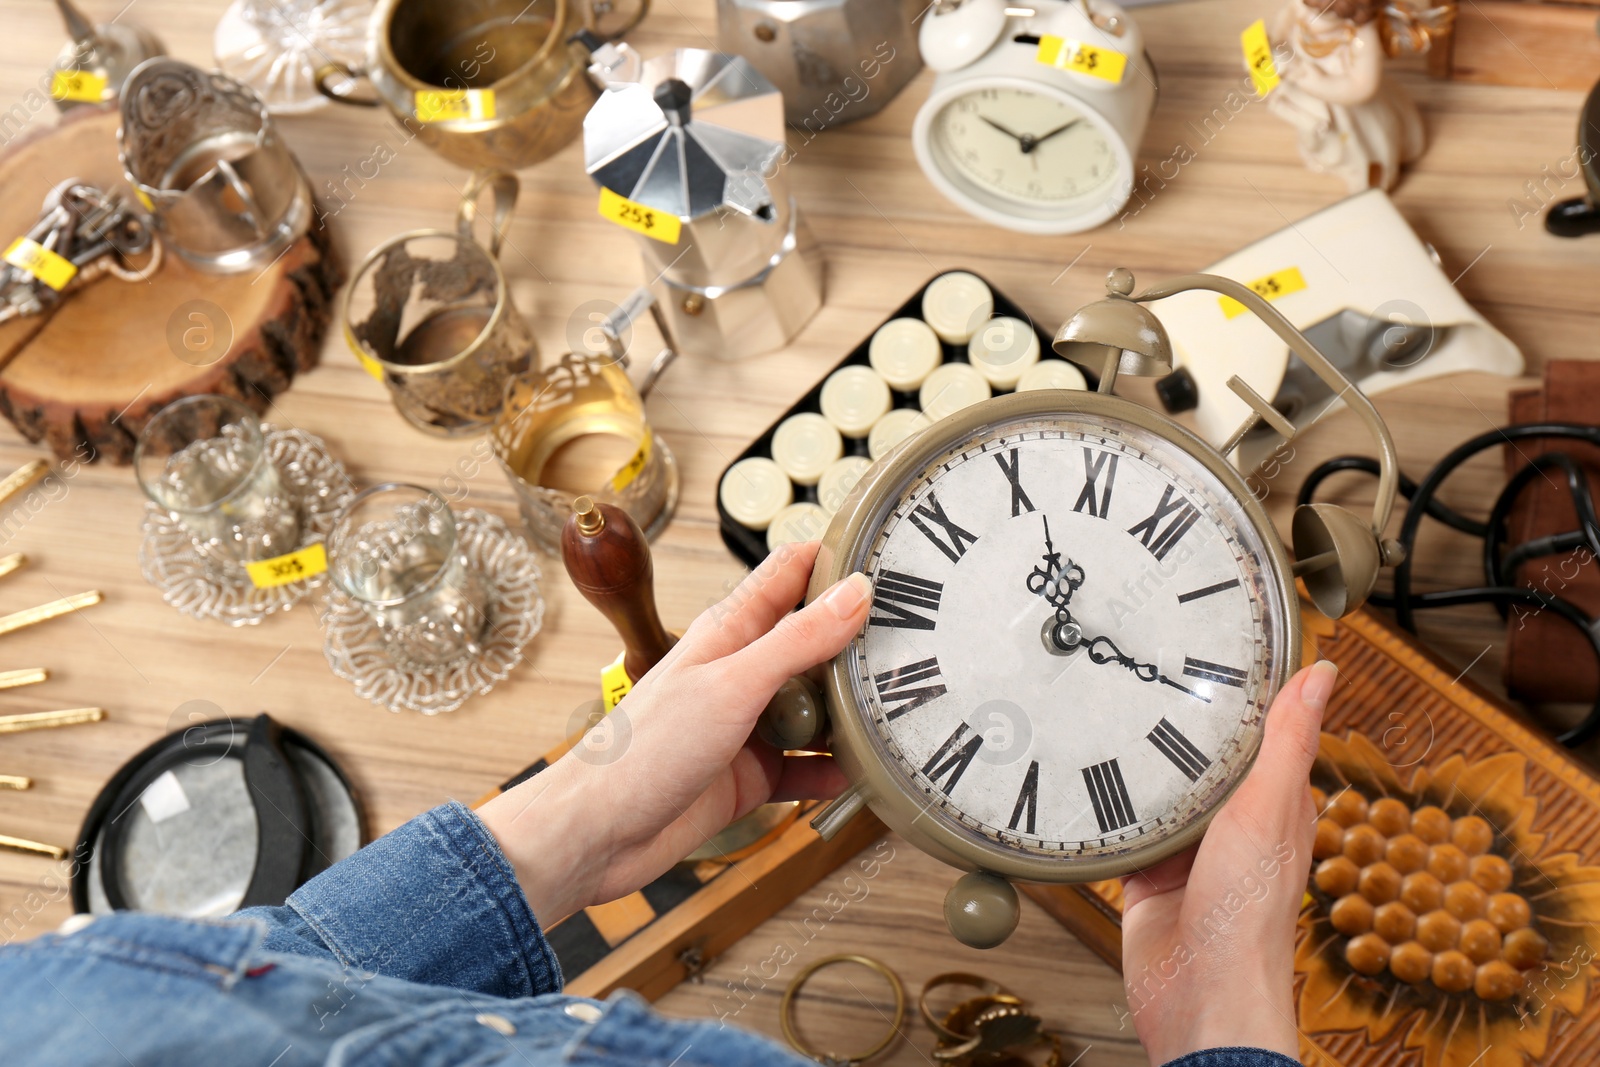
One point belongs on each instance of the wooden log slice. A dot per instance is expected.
(86, 377)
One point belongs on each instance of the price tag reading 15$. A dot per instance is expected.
(307, 562)
(1067, 54)
(656, 225)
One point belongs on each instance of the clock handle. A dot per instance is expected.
(839, 811)
(982, 909)
(608, 559)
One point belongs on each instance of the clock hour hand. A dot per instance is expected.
(1145, 672)
(1025, 141)
(1051, 580)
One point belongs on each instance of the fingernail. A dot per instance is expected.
(846, 597)
(1319, 685)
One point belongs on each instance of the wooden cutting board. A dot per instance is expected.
(86, 377)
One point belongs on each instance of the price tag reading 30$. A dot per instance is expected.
(1066, 54)
(307, 562)
(656, 225)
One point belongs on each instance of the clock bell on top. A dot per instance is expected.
(1337, 554)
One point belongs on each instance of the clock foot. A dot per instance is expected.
(795, 717)
(982, 909)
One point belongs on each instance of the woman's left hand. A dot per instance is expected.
(676, 761)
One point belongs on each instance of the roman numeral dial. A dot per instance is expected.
(907, 688)
(1179, 516)
(905, 601)
(945, 768)
(1171, 743)
(1113, 809)
(1074, 633)
(1010, 463)
(949, 538)
(1099, 477)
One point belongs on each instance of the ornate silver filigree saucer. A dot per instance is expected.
(356, 651)
(206, 586)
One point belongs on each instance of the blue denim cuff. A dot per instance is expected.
(435, 902)
(1233, 1057)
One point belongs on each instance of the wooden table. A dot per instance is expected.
(885, 232)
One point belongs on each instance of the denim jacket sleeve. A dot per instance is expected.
(1233, 1057)
(434, 902)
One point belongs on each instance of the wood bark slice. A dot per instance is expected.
(86, 377)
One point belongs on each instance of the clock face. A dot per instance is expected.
(1028, 148)
(1074, 633)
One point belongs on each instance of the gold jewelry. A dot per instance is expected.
(786, 1010)
(986, 988)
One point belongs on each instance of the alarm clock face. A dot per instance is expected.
(1026, 147)
(1077, 626)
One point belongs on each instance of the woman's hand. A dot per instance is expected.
(678, 761)
(1208, 935)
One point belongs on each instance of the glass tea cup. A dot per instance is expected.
(431, 311)
(578, 428)
(204, 460)
(394, 552)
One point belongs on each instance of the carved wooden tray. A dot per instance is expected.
(1401, 725)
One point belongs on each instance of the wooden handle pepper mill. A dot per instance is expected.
(608, 559)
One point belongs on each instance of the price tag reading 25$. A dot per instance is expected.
(656, 225)
(307, 562)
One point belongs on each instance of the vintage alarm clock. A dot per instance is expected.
(1080, 617)
(1036, 115)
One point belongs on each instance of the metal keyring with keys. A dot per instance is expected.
(833, 1059)
(82, 233)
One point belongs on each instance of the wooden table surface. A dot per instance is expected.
(884, 231)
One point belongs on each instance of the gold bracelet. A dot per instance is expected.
(786, 1010)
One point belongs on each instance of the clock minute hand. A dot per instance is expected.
(1145, 672)
(1037, 141)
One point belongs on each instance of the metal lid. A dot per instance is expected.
(697, 132)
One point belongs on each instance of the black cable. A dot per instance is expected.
(1500, 572)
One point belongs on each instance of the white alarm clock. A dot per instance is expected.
(1035, 118)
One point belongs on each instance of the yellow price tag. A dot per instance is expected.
(82, 86)
(1064, 53)
(640, 219)
(308, 562)
(630, 470)
(370, 365)
(27, 254)
(614, 683)
(1271, 287)
(1258, 57)
(454, 105)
